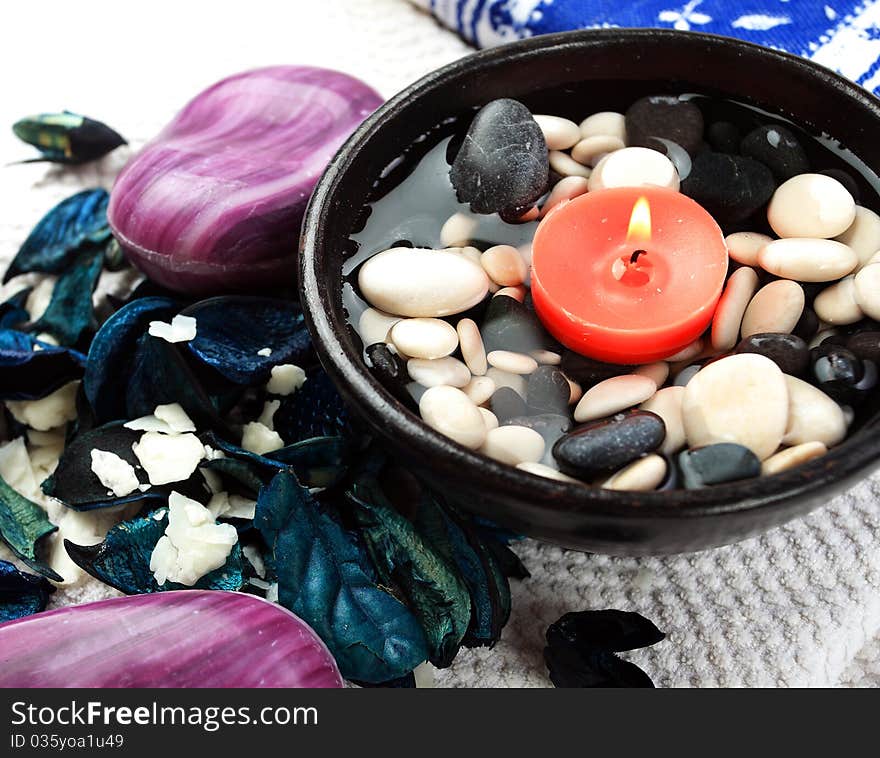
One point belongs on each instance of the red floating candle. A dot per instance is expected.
(628, 275)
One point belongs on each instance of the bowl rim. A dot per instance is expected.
(349, 372)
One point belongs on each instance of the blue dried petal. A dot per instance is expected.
(28, 374)
(67, 137)
(326, 580)
(314, 410)
(246, 474)
(52, 244)
(112, 352)
(13, 312)
(122, 560)
(70, 313)
(21, 594)
(24, 527)
(231, 330)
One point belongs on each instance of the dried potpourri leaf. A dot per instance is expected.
(111, 354)
(54, 241)
(431, 585)
(21, 594)
(245, 473)
(405, 682)
(67, 137)
(232, 330)
(13, 312)
(314, 410)
(75, 484)
(122, 560)
(326, 579)
(31, 369)
(456, 540)
(23, 526)
(581, 646)
(70, 312)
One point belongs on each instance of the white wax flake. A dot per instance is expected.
(222, 504)
(159, 514)
(167, 458)
(47, 412)
(212, 479)
(181, 329)
(114, 473)
(213, 455)
(258, 438)
(46, 338)
(424, 675)
(272, 593)
(149, 424)
(264, 352)
(15, 467)
(268, 415)
(253, 555)
(286, 379)
(45, 439)
(193, 545)
(39, 298)
(174, 415)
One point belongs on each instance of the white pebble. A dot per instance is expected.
(458, 230)
(565, 165)
(576, 392)
(181, 329)
(421, 282)
(591, 150)
(548, 472)
(513, 445)
(479, 389)
(634, 167)
(472, 349)
(687, 352)
(546, 357)
(424, 337)
(745, 246)
(738, 293)
(867, 290)
(513, 363)
(285, 379)
(863, 235)
(604, 123)
(806, 259)
(811, 205)
(812, 416)
(838, 303)
(792, 456)
(451, 412)
(666, 403)
(612, 395)
(374, 325)
(437, 372)
(658, 372)
(506, 379)
(642, 475)
(490, 418)
(504, 265)
(559, 133)
(567, 188)
(742, 398)
(776, 307)
(517, 293)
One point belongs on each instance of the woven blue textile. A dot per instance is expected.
(841, 34)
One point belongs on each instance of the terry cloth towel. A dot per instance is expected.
(841, 34)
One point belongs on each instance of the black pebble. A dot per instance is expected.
(730, 187)
(865, 345)
(548, 391)
(391, 371)
(788, 351)
(551, 426)
(724, 137)
(837, 371)
(509, 325)
(503, 162)
(846, 180)
(587, 371)
(605, 446)
(717, 464)
(666, 117)
(778, 149)
(807, 325)
(506, 404)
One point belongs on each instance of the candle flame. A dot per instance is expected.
(640, 222)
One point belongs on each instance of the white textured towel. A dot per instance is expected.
(798, 607)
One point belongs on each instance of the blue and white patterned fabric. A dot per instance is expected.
(841, 34)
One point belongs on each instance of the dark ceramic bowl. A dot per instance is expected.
(576, 74)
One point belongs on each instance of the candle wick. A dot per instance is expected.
(634, 258)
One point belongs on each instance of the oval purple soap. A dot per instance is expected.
(215, 201)
(188, 638)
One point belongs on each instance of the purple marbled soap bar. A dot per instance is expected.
(215, 201)
(189, 638)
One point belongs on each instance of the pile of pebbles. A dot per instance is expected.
(791, 354)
